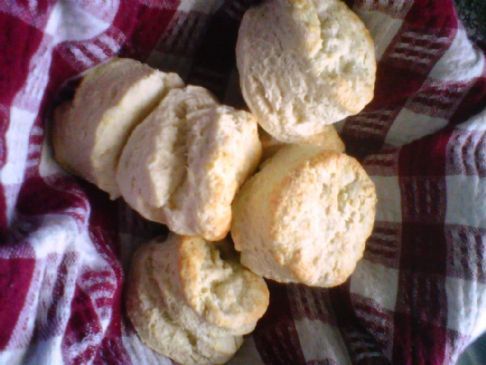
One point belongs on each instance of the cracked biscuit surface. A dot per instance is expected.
(89, 132)
(304, 217)
(183, 165)
(304, 64)
(185, 314)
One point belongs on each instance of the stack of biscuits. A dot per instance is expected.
(298, 209)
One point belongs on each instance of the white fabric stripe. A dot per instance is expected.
(81, 56)
(70, 22)
(37, 131)
(247, 354)
(461, 62)
(12, 173)
(319, 340)
(202, 6)
(17, 138)
(390, 237)
(374, 246)
(47, 165)
(411, 35)
(389, 206)
(381, 158)
(367, 355)
(377, 282)
(96, 51)
(410, 126)
(80, 347)
(421, 59)
(32, 162)
(34, 148)
(33, 6)
(105, 279)
(12, 356)
(466, 306)
(466, 197)
(45, 352)
(369, 121)
(109, 42)
(369, 130)
(382, 28)
(100, 294)
(404, 47)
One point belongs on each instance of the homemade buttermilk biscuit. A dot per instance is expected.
(90, 131)
(327, 140)
(304, 217)
(183, 164)
(189, 304)
(304, 64)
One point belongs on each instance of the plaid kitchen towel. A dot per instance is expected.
(417, 297)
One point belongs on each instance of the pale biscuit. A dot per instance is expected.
(183, 313)
(89, 132)
(328, 140)
(304, 64)
(183, 165)
(304, 217)
(221, 290)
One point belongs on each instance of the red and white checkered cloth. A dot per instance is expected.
(417, 297)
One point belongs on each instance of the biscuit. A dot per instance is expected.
(89, 132)
(304, 217)
(304, 64)
(183, 164)
(328, 140)
(184, 314)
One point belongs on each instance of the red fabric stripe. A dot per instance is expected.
(399, 78)
(83, 323)
(19, 41)
(15, 279)
(424, 249)
(310, 303)
(112, 351)
(151, 23)
(321, 362)
(378, 321)
(392, 8)
(215, 58)
(438, 16)
(4, 123)
(466, 253)
(60, 195)
(465, 155)
(362, 346)
(276, 333)
(439, 99)
(425, 157)
(103, 227)
(3, 215)
(421, 313)
(418, 342)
